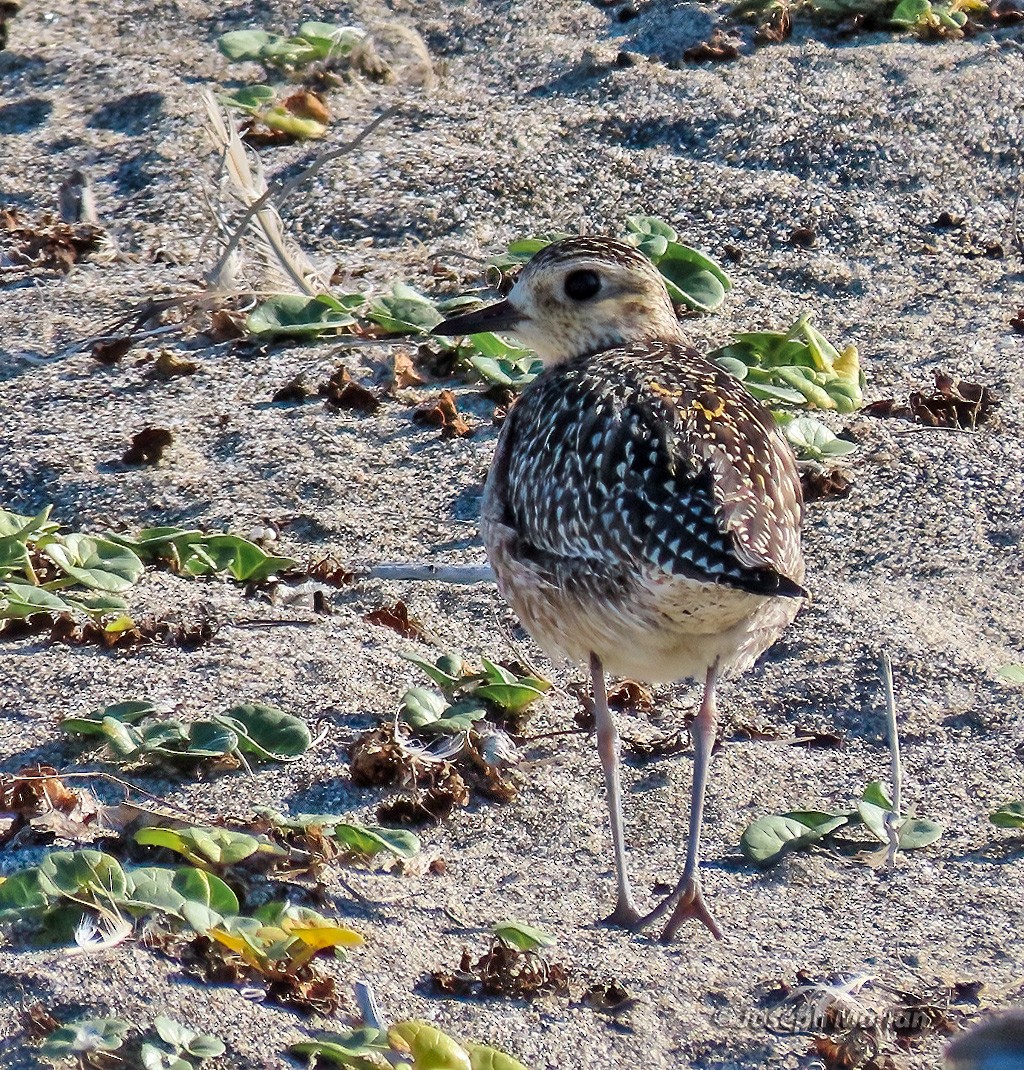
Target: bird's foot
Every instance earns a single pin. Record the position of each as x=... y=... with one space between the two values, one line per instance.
x=624 y=916
x=689 y=903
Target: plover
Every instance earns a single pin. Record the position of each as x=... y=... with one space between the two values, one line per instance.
x=642 y=513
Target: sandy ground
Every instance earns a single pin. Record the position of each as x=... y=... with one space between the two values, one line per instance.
x=532 y=126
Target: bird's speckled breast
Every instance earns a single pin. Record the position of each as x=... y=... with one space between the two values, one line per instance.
x=641 y=498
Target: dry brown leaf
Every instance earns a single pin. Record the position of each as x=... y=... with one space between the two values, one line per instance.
x=396 y=618
x=342 y=390
x=403 y=372
x=442 y=412
x=148 y=445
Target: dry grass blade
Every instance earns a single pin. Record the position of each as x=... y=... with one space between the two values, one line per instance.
x=280 y=256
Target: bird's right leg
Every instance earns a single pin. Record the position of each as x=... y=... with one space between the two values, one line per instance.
x=625 y=912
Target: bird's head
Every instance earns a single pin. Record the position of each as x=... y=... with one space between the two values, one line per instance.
x=579 y=296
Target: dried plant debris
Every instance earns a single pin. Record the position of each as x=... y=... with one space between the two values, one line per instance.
x=862 y=1024
x=169 y=365
x=35 y=800
x=513 y=966
x=952 y=403
x=718 y=48
x=448 y=740
x=442 y=411
x=342 y=391
x=47 y=244
x=819 y=482
x=396 y=618
x=927 y=19
x=148 y=446
x=295 y=391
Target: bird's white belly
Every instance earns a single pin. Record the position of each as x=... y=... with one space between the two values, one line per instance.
x=664 y=628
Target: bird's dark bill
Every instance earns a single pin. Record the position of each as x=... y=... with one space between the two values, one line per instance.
x=503 y=316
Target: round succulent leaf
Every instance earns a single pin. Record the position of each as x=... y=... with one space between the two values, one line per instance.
x=522 y=936
x=21 y=893
x=296 y=126
x=483 y=1058
x=267 y=731
x=241 y=45
x=1011 y=674
x=370 y=839
x=86 y=874
x=768 y=838
x=152 y=888
x=293 y=315
x=206 y=889
x=1008 y=816
x=13 y=555
x=343 y=1048
x=446 y=676
x=917 y=832
x=429 y=1047
x=84 y=1037
x=249 y=98
x=244 y=560
x=421 y=707
x=690 y=285
x=96 y=563
x=203 y=845
x=404 y=311
x=210 y=739
x=124 y=740
x=812 y=439
x=18 y=600
x=512 y=697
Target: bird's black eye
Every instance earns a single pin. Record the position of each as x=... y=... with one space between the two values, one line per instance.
x=582 y=285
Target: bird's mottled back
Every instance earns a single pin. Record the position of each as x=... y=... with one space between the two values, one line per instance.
x=650 y=457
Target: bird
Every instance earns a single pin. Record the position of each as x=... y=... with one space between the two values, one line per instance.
x=642 y=513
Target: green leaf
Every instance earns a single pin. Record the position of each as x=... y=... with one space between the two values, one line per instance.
x=404 y=311
x=89 y=875
x=422 y=707
x=27 y=528
x=18 y=600
x=249 y=98
x=767 y=839
x=96 y=563
x=1008 y=816
x=371 y=839
x=210 y=739
x=337 y=40
x=127 y=712
x=346 y=1049
x=1011 y=674
x=291 y=316
x=22 y=893
x=512 y=697
x=182 y=1038
x=692 y=278
x=241 y=45
x=205 y=845
x=910 y=12
x=912 y=832
x=244 y=560
x=814 y=441
x=447 y=672
x=124 y=740
x=522 y=936
x=429 y=1047
x=267 y=731
x=13 y=556
x=484 y=1058
x=84 y=1038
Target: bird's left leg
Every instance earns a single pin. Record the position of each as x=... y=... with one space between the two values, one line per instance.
x=686 y=900
x=625 y=912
